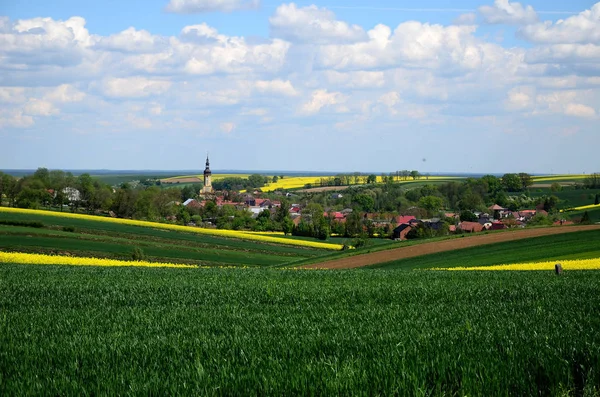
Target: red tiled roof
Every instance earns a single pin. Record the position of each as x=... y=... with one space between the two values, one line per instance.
x=471 y=226
x=404 y=219
x=496 y=207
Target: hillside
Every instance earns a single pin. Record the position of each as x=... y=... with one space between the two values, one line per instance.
x=444 y=246
x=69 y=234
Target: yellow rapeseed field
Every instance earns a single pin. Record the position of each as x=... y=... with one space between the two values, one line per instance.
x=187 y=229
x=41 y=259
x=549 y=178
x=577 y=264
x=293 y=182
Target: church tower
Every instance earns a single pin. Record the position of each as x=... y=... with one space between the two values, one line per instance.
x=207 y=178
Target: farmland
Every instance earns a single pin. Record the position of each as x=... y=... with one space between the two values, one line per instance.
x=576 y=245
x=406 y=255
x=98 y=237
x=257 y=332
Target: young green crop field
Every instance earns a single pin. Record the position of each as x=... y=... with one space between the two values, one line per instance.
x=568 y=197
x=112 y=331
x=117 y=241
x=578 y=245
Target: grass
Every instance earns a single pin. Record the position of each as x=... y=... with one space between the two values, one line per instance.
x=114 y=331
x=116 y=241
x=577 y=245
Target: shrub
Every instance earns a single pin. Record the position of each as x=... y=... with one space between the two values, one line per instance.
x=68 y=229
x=23 y=223
x=137 y=254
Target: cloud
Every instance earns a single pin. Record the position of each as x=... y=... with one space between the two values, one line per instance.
x=579 y=110
x=207 y=52
x=131 y=40
x=38 y=107
x=579 y=29
x=466 y=19
x=357 y=79
x=12 y=94
x=389 y=99
x=415 y=45
x=134 y=87
x=312 y=25
x=520 y=98
x=227 y=128
x=505 y=12
x=321 y=99
x=279 y=87
x=564 y=54
x=15 y=118
x=44 y=41
x=65 y=93
x=201 y=6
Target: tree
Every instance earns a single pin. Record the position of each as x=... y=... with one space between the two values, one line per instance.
x=585 y=219
x=372 y=178
x=256 y=180
x=414 y=174
x=540 y=220
x=287 y=225
x=493 y=184
x=431 y=204
x=468 y=216
x=555 y=187
x=597 y=201
x=275 y=179
x=526 y=180
x=365 y=201
x=550 y=203
x=592 y=181
x=512 y=182
x=189 y=191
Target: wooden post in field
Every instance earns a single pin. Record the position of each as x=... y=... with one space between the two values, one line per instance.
x=558 y=269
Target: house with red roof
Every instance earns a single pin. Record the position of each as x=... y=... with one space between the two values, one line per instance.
x=470 y=227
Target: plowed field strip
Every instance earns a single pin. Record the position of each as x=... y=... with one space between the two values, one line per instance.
x=441 y=246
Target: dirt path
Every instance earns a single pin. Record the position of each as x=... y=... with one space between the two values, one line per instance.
x=446 y=245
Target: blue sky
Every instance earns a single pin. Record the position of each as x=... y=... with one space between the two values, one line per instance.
x=483 y=86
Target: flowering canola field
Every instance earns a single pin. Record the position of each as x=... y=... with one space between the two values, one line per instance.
x=41 y=259
x=578 y=264
x=550 y=178
x=583 y=207
x=213 y=232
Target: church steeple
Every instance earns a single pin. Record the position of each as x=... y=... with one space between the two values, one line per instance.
x=207 y=169
x=207 y=189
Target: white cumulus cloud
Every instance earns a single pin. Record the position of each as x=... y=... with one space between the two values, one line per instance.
x=312 y=25
x=39 y=107
x=583 y=28
x=131 y=40
x=279 y=87
x=321 y=99
x=134 y=87
x=505 y=12
x=579 y=110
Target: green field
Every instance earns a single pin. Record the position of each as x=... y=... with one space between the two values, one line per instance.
x=568 y=197
x=577 y=245
x=70 y=330
x=117 y=241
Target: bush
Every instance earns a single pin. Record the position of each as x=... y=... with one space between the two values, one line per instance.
x=23 y=223
x=138 y=254
x=68 y=229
